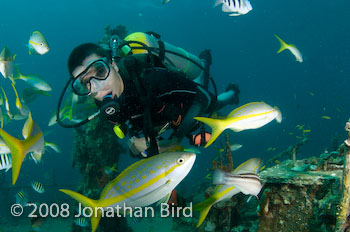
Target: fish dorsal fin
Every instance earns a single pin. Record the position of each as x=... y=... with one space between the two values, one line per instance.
x=240 y=110
x=226 y=8
x=218 y=2
x=251 y=165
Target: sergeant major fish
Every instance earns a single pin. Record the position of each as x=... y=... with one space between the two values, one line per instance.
x=249 y=116
x=236 y=7
x=142 y=183
x=81 y=221
x=21 y=198
x=38 y=187
x=5 y=161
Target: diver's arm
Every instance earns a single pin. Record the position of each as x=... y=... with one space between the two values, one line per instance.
x=187 y=124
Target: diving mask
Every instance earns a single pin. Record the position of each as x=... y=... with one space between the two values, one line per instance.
x=92 y=79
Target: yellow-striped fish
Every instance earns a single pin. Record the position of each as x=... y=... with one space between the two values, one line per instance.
x=37 y=44
x=249 y=116
x=295 y=51
x=142 y=183
x=225 y=192
x=6 y=63
x=18 y=101
x=326 y=117
x=38 y=187
x=7 y=105
x=33 y=80
x=33 y=142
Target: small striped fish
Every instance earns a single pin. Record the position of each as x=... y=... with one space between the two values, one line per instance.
x=5 y=162
x=21 y=198
x=82 y=222
x=38 y=187
x=142 y=183
x=236 y=7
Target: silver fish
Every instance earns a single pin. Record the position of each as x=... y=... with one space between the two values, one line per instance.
x=247 y=183
x=6 y=63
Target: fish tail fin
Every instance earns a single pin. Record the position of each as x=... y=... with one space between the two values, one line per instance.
x=18 y=74
x=203 y=208
x=279 y=115
x=216 y=125
x=284 y=45
x=19 y=149
x=219 y=177
x=87 y=202
x=53 y=146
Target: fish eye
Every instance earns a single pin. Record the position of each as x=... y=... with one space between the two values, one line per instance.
x=41 y=44
x=180 y=160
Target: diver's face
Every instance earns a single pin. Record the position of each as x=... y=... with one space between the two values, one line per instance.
x=99 y=77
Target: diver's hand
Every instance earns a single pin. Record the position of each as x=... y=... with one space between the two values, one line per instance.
x=137 y=145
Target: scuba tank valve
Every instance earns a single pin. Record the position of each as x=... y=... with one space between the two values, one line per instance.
x=114 y=42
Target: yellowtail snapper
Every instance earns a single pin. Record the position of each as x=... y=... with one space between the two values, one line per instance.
x=294 y=50
x=141 y=184
x=34 y=81
x=249 y=116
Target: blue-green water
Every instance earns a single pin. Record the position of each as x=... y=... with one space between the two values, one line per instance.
x=243 y=49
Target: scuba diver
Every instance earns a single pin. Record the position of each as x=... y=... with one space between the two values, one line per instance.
x=145 y=86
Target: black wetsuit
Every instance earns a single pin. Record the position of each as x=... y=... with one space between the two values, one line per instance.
x=173 y=99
